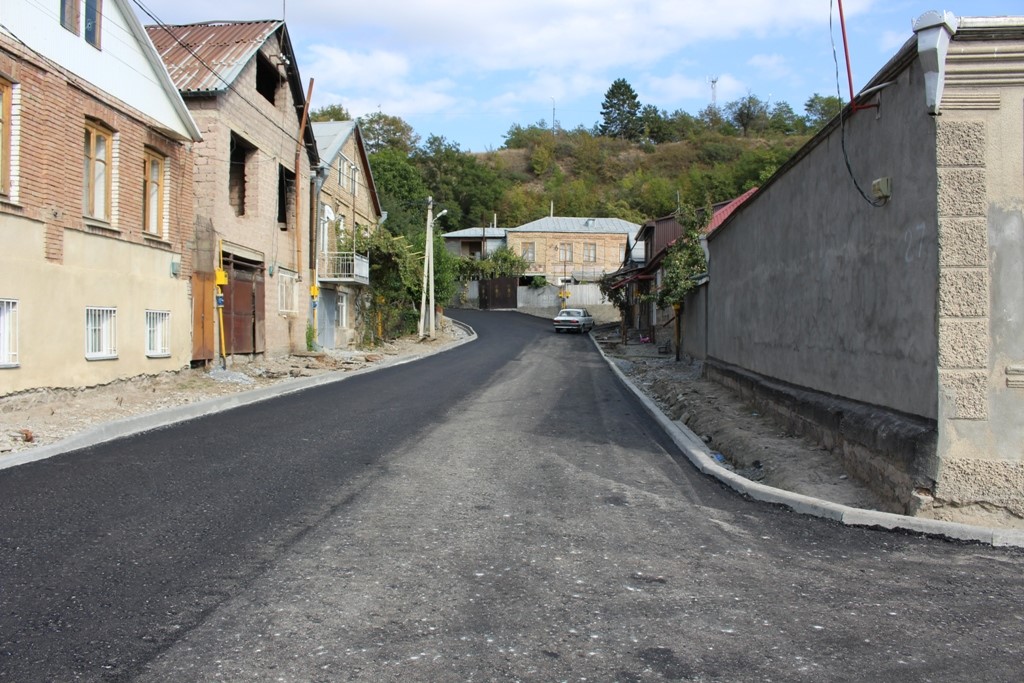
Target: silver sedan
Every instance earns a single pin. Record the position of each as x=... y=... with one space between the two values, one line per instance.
x=574 y=319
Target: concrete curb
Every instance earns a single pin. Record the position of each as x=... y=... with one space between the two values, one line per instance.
x=700 y=456
x=137 y=424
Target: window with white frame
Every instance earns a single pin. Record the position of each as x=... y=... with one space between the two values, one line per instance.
x=8 y=333
x=529 y=251
x=158 y=334
x=343 y=309
x=100 y=333
x=287 y=291
x=6 y=133
x=153 y=190
x=565 y=251
x=97 y=172
x=590 y=252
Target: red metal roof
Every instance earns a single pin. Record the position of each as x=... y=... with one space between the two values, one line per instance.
x=224 y=47
x=721 y=214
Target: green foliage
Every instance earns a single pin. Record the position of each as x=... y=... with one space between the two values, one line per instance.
x=820 y=109
x=620 y=112
x=503 y=262
x=684 y=261
x=310 y=337
x=382 y=131
x=330 y=112
x=748 y=114
x=538 y=282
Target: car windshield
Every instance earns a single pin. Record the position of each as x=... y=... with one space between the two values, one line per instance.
x=569 y=313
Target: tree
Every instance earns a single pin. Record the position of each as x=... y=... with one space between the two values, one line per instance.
x=620 y=112
x=654 y=125
x=330 y=112
x=383 y=131
x=783 y=120
x=821 y=109
x=684 y=262
x=747 y=113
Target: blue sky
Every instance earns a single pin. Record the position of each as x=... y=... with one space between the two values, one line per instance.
x=469 y=70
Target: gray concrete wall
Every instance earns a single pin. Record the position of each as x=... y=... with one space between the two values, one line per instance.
x=695 y=312
x=811 y=285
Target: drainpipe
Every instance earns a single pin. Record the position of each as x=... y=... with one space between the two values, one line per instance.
x=298 y=175
x=934 y=30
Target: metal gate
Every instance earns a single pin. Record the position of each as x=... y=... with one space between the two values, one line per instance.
x=244 y=302
x=501 y=292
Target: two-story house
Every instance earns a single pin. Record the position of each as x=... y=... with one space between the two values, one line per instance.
x=96 y=206
x=348 y=206
x=241 y=83
x=572 y=249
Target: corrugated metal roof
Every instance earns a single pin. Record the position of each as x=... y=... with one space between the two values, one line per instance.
x=331 y=137
x=226 y=47
x=723 y=213
x=584 y=225
x=470 y=233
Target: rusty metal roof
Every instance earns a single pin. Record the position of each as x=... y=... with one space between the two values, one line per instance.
x=226 y=47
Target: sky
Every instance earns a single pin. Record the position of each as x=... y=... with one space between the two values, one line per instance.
x=469 y=70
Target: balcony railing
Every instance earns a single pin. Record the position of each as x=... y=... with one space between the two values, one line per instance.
x=343 y=266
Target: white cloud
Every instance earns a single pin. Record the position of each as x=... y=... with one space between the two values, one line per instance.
x=774 y=66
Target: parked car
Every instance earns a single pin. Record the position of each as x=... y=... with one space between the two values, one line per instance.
x=576 y=319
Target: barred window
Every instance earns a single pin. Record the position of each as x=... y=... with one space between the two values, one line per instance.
x=158 y=334
x=8 y=333
x=100 y=333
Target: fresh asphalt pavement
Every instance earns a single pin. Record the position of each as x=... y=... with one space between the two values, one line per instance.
x=503 y=511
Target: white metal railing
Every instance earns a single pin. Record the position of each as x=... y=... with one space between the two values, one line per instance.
x=343 y=266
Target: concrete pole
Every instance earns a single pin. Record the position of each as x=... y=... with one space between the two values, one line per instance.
x=430 y=260
x=426 y=262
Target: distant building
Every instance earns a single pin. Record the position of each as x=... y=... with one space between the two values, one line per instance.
x=572 y=249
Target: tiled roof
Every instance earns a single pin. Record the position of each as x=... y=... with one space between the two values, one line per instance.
x=226 y=47
x=585 y=225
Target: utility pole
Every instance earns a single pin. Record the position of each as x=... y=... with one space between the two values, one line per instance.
x=428 y=276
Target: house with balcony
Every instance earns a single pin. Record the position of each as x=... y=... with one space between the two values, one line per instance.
x=96 y=172
x=347 y=207
x=241 y=83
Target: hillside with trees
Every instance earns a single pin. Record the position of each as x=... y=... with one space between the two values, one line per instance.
x=636 y=163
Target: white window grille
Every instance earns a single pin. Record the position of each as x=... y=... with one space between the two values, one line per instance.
x=158 y=334
x=343 y=310
x=100 y=333
x=287 y=292
x=8 y=333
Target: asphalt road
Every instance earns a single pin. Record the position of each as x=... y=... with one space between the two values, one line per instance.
x=502 y=511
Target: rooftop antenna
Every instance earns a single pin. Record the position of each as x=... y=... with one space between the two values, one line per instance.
x=713 y=80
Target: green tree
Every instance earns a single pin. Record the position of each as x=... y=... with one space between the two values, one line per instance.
x=620 y=112
x=330 y=112
x=383 y=131
x=401 y=191
x=783 y=120
x=747 y=113
x=684 y=263
x=655 y=125
x=821 y=109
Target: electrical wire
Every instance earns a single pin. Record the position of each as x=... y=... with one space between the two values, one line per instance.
x=877 y=203
x=230 y=86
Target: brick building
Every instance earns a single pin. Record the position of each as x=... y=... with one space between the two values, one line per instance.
x=572 y=249
x=95 y=200
x=348 y=205
x=252 y=182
